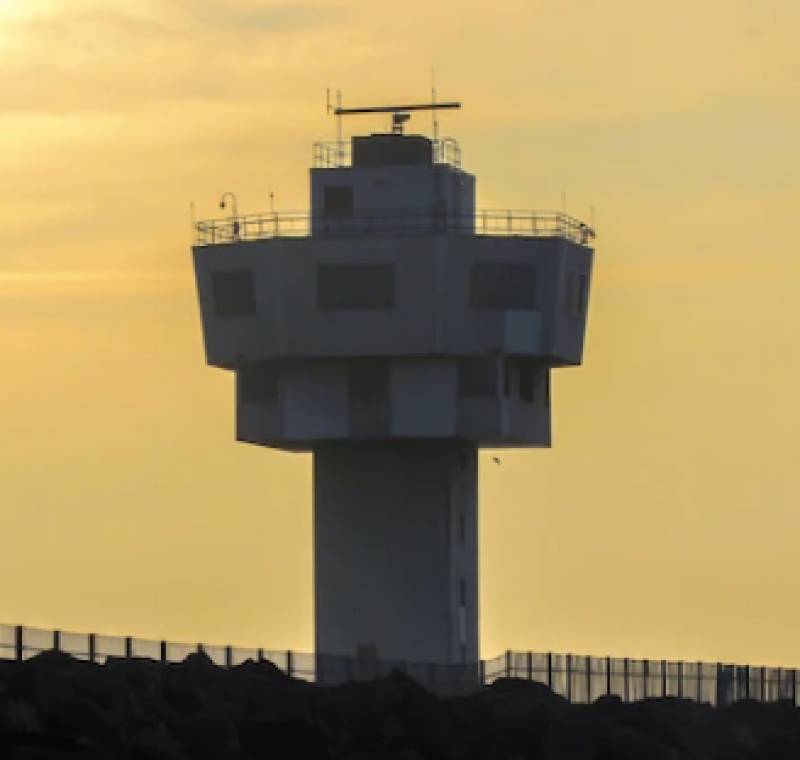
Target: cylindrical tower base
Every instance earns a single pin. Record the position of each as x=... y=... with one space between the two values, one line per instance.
x=396 y=551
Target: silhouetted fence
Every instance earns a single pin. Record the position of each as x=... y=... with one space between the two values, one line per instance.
x=576 y=677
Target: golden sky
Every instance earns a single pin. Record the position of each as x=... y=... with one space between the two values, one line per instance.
x=665 y=520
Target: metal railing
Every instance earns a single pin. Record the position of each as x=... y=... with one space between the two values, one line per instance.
x=578 y=678
x=534 y=224
x=339 y=154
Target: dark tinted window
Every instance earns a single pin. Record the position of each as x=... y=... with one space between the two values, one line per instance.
x=477 y=378
x=355 y=286
x=578 y=286
x=258 y=382
x=368 y=390
x=338 y=201
x=367 y=652
x=369 y=380
x=527 y=381
x=503 y=286
x=234 y=293
x=508 y=377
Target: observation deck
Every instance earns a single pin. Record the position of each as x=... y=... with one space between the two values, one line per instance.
x=269 y=225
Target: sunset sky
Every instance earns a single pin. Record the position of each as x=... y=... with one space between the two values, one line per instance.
x=665 y=520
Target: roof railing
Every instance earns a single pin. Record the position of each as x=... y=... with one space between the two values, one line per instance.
x=265 y=226
x=339 y=154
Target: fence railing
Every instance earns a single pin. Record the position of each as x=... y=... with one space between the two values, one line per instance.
x=578 y=678
x=338 y=153
x=537 y=224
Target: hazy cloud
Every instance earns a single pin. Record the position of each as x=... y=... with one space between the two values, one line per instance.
x=84 y=59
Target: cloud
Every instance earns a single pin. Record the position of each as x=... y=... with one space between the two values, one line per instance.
x=84 y=59
x=254 y=18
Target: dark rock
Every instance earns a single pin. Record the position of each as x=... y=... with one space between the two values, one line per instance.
x=53 y=706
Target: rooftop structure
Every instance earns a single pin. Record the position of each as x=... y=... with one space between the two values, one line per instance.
x=392 y=331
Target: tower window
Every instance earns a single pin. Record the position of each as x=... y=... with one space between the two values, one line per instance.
x=368 y=392
x=367 y=651
x=577 y=292
x=338 y=201
x=527 y=382
x=355 y=286
x=508 y=377
x=369 y=380
x=502 y=286
x=234 y=293
x=477 y=377
x=258 y=383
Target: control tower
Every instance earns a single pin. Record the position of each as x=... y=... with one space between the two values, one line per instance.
x=392 y=332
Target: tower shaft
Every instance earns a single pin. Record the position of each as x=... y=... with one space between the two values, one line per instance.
x=395 y=548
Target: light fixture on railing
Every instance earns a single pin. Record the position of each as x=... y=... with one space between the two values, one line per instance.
x=234 y=213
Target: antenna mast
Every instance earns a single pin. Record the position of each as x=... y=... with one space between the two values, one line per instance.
x=433 y=112
x=338 y=112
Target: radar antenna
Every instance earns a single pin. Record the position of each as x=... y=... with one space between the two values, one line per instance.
x=400 y=113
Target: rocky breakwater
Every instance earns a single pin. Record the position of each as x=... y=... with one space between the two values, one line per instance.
x=54 y=706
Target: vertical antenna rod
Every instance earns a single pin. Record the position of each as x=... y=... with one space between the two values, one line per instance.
x=338 y=112
x=433 y=112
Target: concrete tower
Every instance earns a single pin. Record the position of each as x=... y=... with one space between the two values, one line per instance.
x=392 y=332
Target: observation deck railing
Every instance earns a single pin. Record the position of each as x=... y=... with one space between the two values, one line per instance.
x=339 y=155
x=578 y=678
x=536 y=224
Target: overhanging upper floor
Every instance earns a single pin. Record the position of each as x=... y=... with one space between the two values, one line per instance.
x=393 y=295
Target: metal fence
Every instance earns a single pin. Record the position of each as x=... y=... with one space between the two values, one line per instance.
x=265 y=226
x=338 y=154
x=578 y=678
x=583 y=679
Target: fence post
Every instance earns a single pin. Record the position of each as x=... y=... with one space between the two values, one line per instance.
x=18 y=648
x=92 y=647
x=763 y=683
x=482 y=673
x=608 y=676
x=289 y=663
x=508 y=663
x=588 y=679
x=680 y=680
x=794 y=688
x=530 y=666
x=57 y=640
x=646 y=678
x=663 y=678
x=550 y=670
x=699 y=681
x=747 y=682
x=163 y=651
x=569 y=678
x=260 y=655
x=129 y=647
x=229 y=656
x=626 y=676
